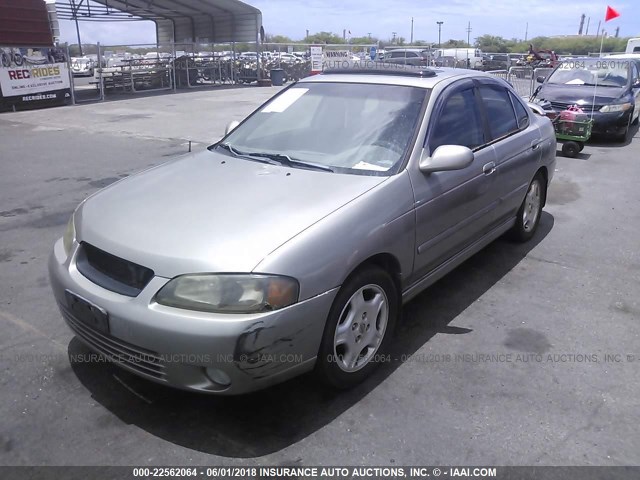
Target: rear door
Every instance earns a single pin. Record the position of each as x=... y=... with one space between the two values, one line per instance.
x=453 y=208
x=516 y=143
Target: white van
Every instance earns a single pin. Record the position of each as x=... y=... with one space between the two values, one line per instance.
x=464 y=57
x=633 y=46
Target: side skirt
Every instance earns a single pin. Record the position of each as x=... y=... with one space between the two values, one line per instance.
x=437 y=273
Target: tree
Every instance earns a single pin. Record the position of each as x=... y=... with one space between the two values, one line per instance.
x=363 y=40
x=268 y=38
x=324 y=38
x=492 y=43
x=575 y=45
x=454 y=44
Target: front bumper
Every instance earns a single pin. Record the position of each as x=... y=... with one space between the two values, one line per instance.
x=610 y=123
x=176 y=347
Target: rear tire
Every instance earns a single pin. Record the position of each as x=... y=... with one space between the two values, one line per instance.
x=359 y=328
x=529 y=213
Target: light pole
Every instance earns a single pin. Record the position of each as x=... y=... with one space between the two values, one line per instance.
x=411 y=41
x=439 y=32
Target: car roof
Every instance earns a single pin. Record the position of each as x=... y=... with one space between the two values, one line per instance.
x=381 y=76
x=634 y=56
x=407 y=50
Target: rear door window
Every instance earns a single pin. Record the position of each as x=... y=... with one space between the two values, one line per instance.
x=500 y=113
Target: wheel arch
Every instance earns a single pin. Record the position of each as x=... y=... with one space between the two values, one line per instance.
x=387 y=262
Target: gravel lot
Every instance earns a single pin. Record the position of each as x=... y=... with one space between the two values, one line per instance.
x=550 y=329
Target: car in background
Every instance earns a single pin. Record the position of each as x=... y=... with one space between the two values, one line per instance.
x=497 y=62
x=286 y=58
x=82 y=66
x=220 y=272
x=248 y=56
x=607 y=89
x=407 y=56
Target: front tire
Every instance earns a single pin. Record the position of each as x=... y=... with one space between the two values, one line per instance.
x=530 y=211
x=359 y=328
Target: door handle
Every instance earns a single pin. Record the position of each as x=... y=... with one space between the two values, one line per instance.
x=535 y=145
x=489 y=168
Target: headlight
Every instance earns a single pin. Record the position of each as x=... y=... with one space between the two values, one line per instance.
x=69 y=236
x=229 y=293
x=620 y=107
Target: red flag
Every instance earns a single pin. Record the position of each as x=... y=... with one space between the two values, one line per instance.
x=611 y=14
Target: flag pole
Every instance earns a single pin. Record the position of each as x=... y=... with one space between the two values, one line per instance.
x=595 y=85
x=610 y=14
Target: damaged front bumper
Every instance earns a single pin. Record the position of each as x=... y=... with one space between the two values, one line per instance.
x=213 y=353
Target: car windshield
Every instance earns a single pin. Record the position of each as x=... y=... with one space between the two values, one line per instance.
x=602 y=72
x=347 y=127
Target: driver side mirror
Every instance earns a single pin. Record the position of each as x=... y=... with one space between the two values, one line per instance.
x=540 y=78
x=446 y=157
x=636 y=84
x=231 y=126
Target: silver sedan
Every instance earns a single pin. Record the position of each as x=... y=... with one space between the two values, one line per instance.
x=291 y=244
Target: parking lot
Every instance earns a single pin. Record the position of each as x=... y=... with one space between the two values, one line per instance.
x=527 y=354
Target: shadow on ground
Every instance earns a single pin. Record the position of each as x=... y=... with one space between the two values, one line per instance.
x=268 y=421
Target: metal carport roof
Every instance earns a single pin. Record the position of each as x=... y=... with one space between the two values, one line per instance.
x=189 y=21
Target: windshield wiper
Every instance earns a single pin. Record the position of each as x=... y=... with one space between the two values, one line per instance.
x=274 y=159
x=599 y=85
x=289 y=162
x=249 y=156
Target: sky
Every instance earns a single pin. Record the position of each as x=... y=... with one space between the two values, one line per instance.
x=506 y=18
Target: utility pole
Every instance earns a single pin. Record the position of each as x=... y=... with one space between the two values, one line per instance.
x=307 y=33
x=75 y=9
x=468 y=43
x=393 y=40
x=526 y=32
x=439 y=32
x=411 y=41
x=598 y=31
x=587 y=30
x=369 y=35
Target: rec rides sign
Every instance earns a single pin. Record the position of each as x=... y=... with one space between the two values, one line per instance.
x=30 y=78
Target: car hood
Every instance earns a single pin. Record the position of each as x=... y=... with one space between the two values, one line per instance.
x=581 y=95
x=210 y=212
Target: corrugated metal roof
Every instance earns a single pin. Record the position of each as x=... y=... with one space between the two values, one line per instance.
x=189 y=21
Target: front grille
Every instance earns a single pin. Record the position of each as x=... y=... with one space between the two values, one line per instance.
x=559 y=106
x=136 y=358
x=111 y=272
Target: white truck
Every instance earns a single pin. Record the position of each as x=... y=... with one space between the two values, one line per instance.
x=463 y=57
x=633 y=46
